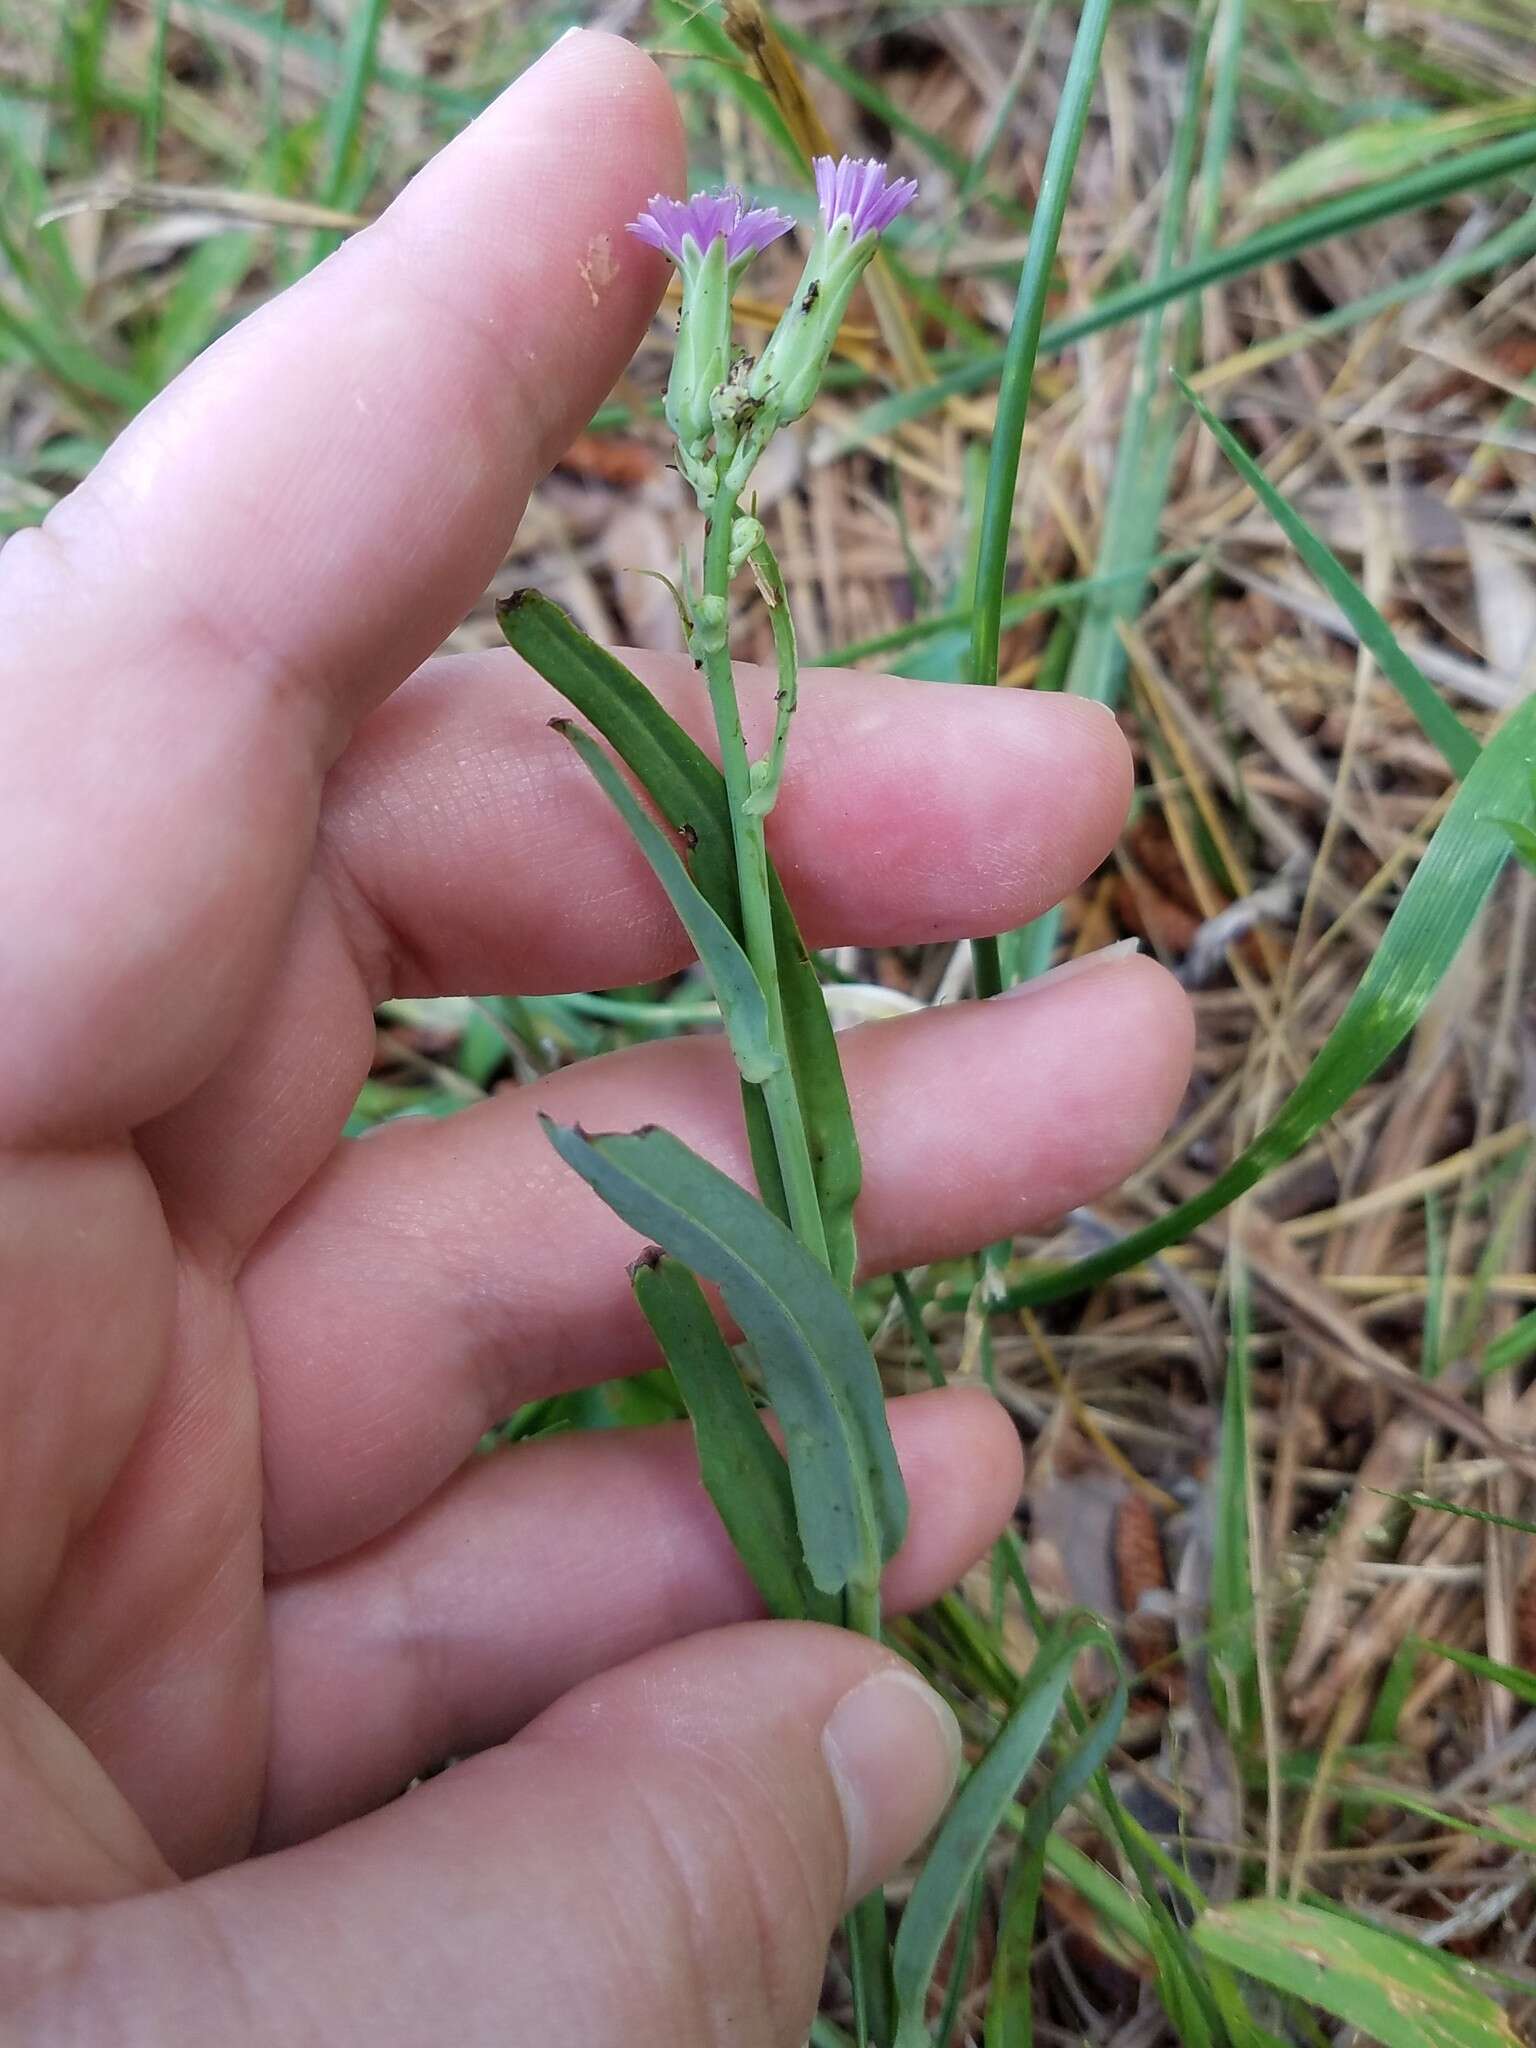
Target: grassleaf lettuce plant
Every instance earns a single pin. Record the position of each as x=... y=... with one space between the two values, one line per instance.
x=816 y=1521
x=784 y=1263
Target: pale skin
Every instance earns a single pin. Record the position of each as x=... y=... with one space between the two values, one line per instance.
x=250 y=1584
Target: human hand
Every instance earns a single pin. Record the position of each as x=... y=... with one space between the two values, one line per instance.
x=250 y=1581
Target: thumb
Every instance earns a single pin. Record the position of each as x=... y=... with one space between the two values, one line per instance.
x=660 y=1858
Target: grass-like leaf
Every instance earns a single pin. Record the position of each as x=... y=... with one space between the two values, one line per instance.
x=742 y=1468
x=1438 y=908
x=1513 y=1679
x=1451 y=1507
x=1517 y=1344
x=944 y=1882
x=1439 y=721
x=1381 y=149
x=1009 y=2013
x=689 y=791
x=1035 y=279
x=1276 y=244
x=850 y=1502
x=1397 y=1992
x=743 y=1006
x=1232 y=1618
x=1024 y=336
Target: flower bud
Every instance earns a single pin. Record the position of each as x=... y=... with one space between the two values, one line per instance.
x=858 y=200
x=711 y=237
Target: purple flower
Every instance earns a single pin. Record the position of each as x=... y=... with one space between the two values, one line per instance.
x=861 y=191
x=668 y=224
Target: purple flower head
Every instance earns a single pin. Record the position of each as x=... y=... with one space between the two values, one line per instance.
x=668 y=224
x=861 y=191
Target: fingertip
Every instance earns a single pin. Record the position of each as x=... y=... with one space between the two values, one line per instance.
x=1152 y=1003
x=964 y=1467
x=1129 y=1029
x=618 y=71
x=1024 y=792
x=1068 y=1087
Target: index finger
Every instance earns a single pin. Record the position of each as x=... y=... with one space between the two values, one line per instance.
x=272 y=546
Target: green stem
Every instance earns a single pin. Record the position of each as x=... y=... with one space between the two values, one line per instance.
x=868 y=1944
x=751 y=849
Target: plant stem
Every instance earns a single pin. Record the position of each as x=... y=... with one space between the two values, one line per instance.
x=751 y=849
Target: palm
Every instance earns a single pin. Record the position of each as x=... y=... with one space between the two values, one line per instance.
x=244 y=1557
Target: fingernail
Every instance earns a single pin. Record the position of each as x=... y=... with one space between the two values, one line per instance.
x=892 y=1747
x=573 y=30
x=1120 y=950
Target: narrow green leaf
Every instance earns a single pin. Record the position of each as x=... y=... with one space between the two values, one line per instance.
x=1521 y=1683
x=743 y=1007
x=1275 y=244
x=1519 y=1823
x=1439 y=906
x=1438 y=720
x=1149 y=429
x=963 y=1839
x=1401 y=1994
x=1517 y=1344
x=1522 y=838
x=1035 y=280
x=1024 y=336
x=345 y=118
x=199 y=300
x=688 y=790
x=960 y=1961
x=1450 y=1507
x=1379 y=149
x=1183 y=1979
x=742 y=1468
x=1231 y=1575
x=1009 y=2015
x=690 y=27
x=850 y=1501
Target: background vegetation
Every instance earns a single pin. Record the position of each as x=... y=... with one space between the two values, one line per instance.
x=1284 y=1445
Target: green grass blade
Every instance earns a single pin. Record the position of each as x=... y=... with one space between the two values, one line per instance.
x=960 y=1961
x=1024 y=336
x=1523 y=839
x=743 y=1006
x=743 y=1470
x=359 y=56
x=1023 y=604
x=197 y=303
x=1232 y=1615
x=1399 y=1993
x=1521 y=1683
x=1276 y=244
x=1009 y=2013
x=1138 y=489
x=1517 y=1344
x=1450 y=1507
x=1435 y=716
x=1381 y=149
x=1438 y=907
x=688 y=27
x=1183 y=1980
x=850 y=1501
x=1511 y=244
x=865 y=92
x=962 y=1841
x=154 y=103
x=1035 y=279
